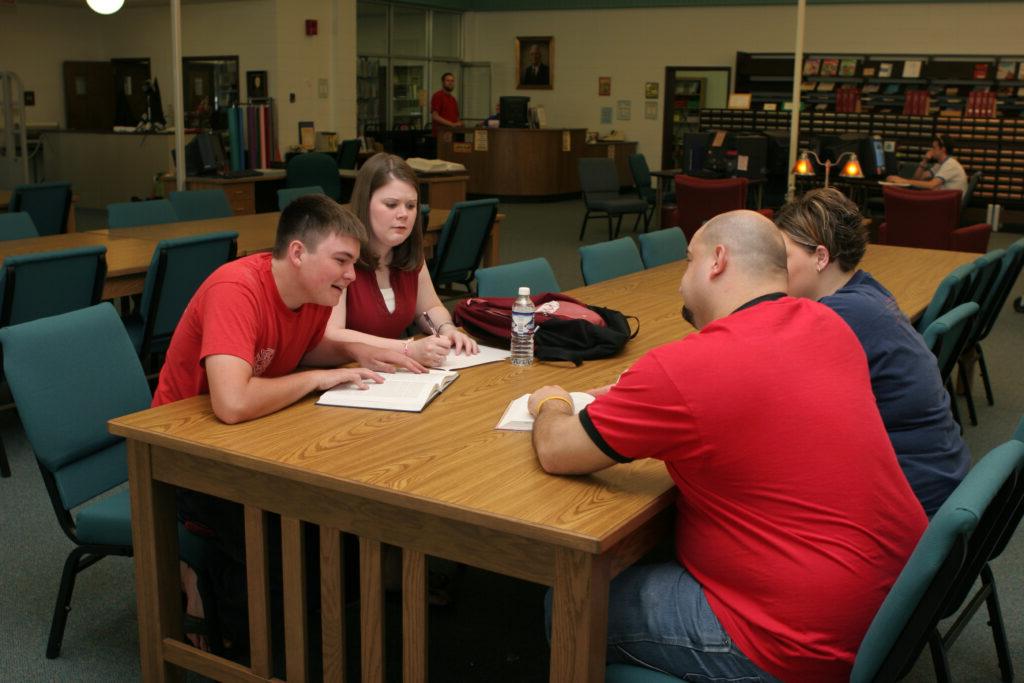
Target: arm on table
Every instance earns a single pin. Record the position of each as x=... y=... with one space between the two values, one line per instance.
x=561 y=444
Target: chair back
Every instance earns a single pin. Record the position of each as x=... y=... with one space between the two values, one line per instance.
x=197 y=205
x=17 y=226
x=642 y=177
x=287 y=195
x=314 y=168
x=460 y=247
x=348 y=153
x=910 y=612
x=599 y=179
x=69 y=374
x=1009 y=270
x=133 y=214
x=506 y=279
x=981 y=287
x=700 y=199
x=662 y=246
x=605 y=260
x=49 y=283
x=951 y=292
x=972 y=185
x=178 y=267
x=48 y=203
x=947 y=336
x=920 y=219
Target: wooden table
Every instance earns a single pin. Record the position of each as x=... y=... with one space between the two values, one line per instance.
x=442 y=482
x=130 y=250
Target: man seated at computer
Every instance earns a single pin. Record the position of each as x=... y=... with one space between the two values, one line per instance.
x=794 y=518
x=938 y=170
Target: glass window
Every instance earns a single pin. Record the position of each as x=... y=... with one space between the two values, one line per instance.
x=446 y=34
x=408 y=32
x=372 y=28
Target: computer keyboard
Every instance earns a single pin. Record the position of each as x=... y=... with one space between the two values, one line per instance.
x=244 y=173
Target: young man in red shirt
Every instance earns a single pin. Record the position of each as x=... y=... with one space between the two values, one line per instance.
x=444 y=109
x=246 y=330
x=794 y=518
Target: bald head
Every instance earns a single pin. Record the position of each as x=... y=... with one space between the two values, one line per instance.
x=753 y=242
x=734 y=258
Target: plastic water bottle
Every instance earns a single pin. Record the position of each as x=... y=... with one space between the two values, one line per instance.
x=523 y=327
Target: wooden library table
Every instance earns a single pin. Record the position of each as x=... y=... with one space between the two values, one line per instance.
x=130 y=250
x=442 y=482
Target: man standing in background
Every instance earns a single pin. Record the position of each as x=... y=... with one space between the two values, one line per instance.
x=444 y=109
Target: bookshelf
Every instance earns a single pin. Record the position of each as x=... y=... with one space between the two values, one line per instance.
x=884 y=80
x=994 y=146
x=371 y=103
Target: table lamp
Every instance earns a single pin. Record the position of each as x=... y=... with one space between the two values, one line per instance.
x=851 y=169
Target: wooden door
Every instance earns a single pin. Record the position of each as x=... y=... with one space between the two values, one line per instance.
x=129 y=77
x=89 y=95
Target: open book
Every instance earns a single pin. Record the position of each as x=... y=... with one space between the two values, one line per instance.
x=488 y=354
x=402 y=390
x=421 y=165
x=517 y=416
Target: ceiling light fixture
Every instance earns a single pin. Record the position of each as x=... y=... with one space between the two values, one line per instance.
x=105 y=6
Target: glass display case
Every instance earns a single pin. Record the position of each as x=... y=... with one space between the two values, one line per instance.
x=371 y=96
x=409 y=94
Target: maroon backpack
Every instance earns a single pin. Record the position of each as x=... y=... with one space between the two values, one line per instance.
x=577 y=332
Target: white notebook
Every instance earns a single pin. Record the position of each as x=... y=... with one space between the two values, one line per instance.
x=517 y=416
x=401 y=390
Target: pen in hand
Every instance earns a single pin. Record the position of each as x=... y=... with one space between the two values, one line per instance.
x=430 y=325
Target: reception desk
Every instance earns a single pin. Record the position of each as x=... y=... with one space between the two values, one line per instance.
x=517 y=162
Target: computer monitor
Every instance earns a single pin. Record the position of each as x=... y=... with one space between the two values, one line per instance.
x=694 y=147
x=514 y=111
x=872 y=158
x=204 y=155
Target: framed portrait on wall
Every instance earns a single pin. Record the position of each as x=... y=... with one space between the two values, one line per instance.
x=535 y=62
x=256 y=85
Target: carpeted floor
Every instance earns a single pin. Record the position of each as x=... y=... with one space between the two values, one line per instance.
x=494 y=631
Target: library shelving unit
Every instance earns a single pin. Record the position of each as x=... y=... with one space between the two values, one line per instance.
x=994 y=146
x=371 y=100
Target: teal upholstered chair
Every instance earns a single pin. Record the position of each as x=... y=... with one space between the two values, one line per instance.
x=605 y=260
x=197 y=205
x=132 y=214
x=1009 y=269
x=287 y=195
x=17 y=226
x=48 y=203
x=984 y=279
x=80 y=460
x=946 y=337
x=314 y=168
x=460 y=246
x=178 y=267
x=38 y=285
x=626 y=673
x=644 y=187
x=959 y=539
x=599 y=180
x=348 y=154
x=951 y=292
x=506 y=279
x=662 y=246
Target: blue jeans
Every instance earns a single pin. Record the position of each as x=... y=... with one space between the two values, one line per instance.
x=659 y=618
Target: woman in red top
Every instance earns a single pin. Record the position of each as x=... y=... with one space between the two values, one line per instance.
x=392 y=288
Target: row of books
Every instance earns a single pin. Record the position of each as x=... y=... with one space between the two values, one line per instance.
x=1005 y=70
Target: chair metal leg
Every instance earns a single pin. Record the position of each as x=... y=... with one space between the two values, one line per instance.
x=63 y=606
x=939 y=659
x=5 y=467
x=618 y=226
x=995 y=620
x=967 y=394
x=984 y=376
x=583 y=229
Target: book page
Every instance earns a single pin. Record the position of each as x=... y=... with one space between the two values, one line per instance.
x=517 y=416
x=488 y=354
x=401 y=390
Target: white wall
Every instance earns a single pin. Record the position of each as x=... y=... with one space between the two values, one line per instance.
x=265 y=35
x=635 y=46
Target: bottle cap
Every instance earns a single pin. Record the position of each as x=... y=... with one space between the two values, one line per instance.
x=524 y=291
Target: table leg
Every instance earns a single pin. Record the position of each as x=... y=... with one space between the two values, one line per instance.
x=157 y=576
x=579 y=617
x=414 y=616
x=332 y=604
x=491 y=248
x=293 y=561
x=257 y=577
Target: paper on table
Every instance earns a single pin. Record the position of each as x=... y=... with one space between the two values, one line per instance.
x=488 y=354
x=401 y=390
x=517 y=416
x=893 y=184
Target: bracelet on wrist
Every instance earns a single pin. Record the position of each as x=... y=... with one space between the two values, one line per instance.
x=563 y=399
x=405 y=347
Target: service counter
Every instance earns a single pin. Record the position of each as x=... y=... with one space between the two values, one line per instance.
x=517 y=162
